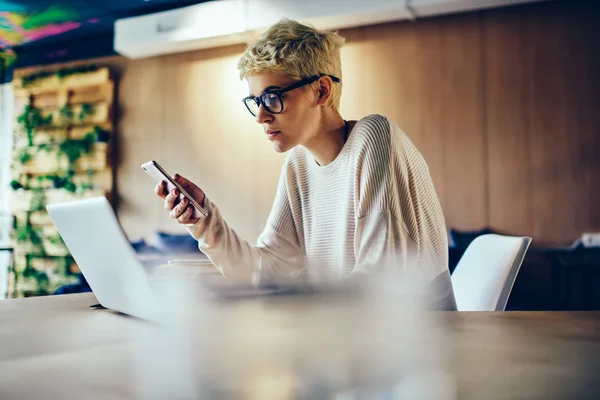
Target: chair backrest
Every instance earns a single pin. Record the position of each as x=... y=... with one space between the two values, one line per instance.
x=485 y=274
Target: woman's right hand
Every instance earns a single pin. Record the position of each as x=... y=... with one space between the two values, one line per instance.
x=181 y=211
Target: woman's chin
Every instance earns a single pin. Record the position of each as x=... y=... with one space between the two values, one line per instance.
x=280 y=146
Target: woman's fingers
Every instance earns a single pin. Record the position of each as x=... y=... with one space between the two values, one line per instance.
x=171 y=200
x=179 y=209
x=186 y=217
x=161 y=190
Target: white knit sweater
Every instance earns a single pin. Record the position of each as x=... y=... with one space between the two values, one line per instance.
x=373 y=207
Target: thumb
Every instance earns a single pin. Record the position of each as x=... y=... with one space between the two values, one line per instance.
x=178 y=178
x=183 y=182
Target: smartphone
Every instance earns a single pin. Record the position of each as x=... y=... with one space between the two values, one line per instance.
x=159 y=174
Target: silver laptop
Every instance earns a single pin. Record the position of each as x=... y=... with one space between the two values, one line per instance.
x=96 y=241
x=120 y=282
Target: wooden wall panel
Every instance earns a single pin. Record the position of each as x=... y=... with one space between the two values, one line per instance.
x=587 y=118
x=209 y=136
x=507 y=87
x=579 y=64
x=561 y=158
x=552 y=139
x=542 y=124
x=462 y=131
x=435 y=70
x=139 y=126
x=403 y=75
x=355 y=69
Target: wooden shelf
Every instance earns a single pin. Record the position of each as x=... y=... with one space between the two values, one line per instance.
x=51 y=135
x=100 y=179
x=20 y=200
x=45 y=162
x=100 y=115
x=52 y=96
x=53 y=84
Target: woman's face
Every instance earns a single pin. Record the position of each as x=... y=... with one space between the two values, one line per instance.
x=298 y=120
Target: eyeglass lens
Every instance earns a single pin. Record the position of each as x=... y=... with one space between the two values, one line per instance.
x=271 y=101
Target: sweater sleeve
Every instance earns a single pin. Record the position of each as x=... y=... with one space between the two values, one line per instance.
x=381 y=239
x=382 y=243
x=388 y=234
x=277 y=247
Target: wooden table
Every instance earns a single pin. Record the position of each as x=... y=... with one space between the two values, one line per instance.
x=57 y=347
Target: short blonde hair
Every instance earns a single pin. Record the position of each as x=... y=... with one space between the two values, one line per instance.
x=297 y=50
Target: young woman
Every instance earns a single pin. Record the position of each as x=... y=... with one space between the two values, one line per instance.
x=353 y=196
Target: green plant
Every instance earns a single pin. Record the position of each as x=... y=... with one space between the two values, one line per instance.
x=21 y=233
x=31 y=119
x=55 y=239
x=15 y=185
x=71 y=187
x=73 y=149
x=38 y=200
x=62 y=181
x=87 y=143
x=40 y=277
x=23 y=155
x=25 y=233
x=66 y=114
x=62 y=73
x=62 y=265
x=90 y=180
x=30 y=79
x=45 y=147
x=58 y=181
x=86 y=110
x=102 y=135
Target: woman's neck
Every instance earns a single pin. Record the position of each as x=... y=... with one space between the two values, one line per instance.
x=329 y=141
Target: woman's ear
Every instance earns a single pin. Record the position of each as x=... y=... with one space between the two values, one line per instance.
x=324 y=90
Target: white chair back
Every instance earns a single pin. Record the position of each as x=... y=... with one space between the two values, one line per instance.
x=485 y=274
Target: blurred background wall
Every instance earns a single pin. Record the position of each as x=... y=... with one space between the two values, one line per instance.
x=502 y=103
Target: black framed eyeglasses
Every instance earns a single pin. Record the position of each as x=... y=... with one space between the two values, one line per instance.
x=271 y=99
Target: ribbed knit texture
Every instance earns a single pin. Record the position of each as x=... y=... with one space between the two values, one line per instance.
x=374 y=207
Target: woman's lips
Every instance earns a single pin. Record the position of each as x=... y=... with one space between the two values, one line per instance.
x=272 y=134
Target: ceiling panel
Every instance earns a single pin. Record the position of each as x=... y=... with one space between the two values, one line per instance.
x=31 y=22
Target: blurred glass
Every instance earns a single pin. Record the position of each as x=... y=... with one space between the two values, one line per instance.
x=349 y=340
